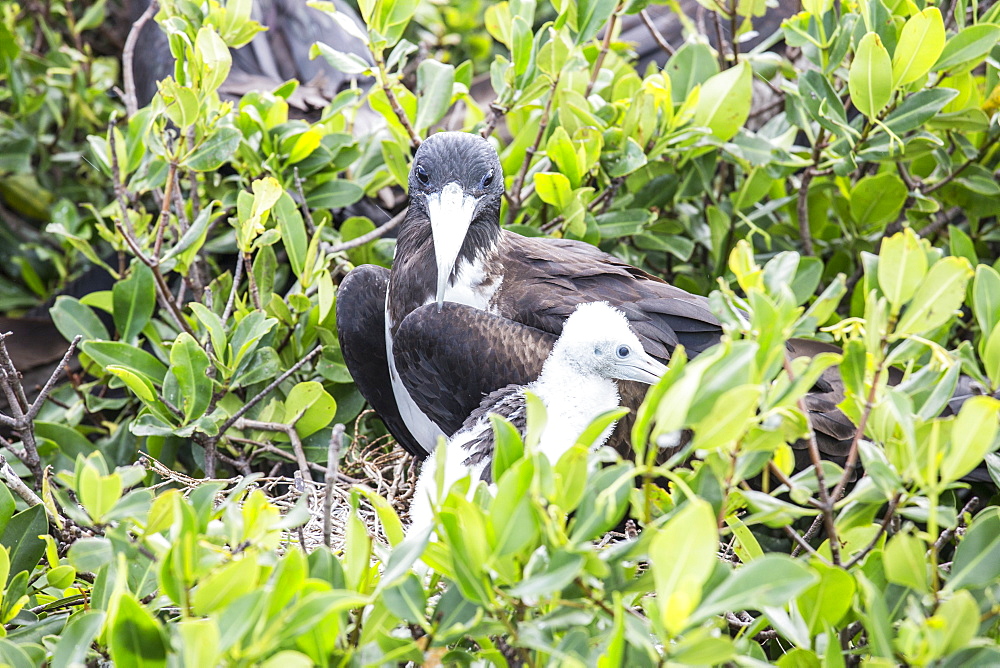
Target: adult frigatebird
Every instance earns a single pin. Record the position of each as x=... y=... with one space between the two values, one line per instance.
x=436 y=365
x=576 y=385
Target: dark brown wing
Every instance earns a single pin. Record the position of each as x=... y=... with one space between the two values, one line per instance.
x=507 y=402
x=545 y=279
x=450 y=360
x=361 y=330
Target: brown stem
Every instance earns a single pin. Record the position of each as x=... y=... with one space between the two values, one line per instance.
x=852 y=455
x=332 y=464
x=802 y=208
x=128 y=53
x=878 y=534
x=164 y=218
x=605 y=47
x=826 y=505
x=288 y=430
x=965 y=165
x=514 y=197
x=252 y=283
x=393 y=100
x=657 y=36
x=365 y=238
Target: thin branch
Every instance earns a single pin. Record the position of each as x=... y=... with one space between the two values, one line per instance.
x=306 y=213
x=889 y=512
x=515 y=196
x=47 y=388
x=16 y=485
x=237 y=276
x=332 y=464
x=365 y=238
x=605 y=47
x=965 y=165
x=393 y=101
x=826 y=505
x=657 y=36
x=131 y=104
x=263 y=393
x=946 y=535
x=852 y=455
x=802 y=208
x=288 y=430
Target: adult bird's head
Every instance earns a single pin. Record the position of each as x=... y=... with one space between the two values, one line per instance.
x=456 y=181
x=597 y=340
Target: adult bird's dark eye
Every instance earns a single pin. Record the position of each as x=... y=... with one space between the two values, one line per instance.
x=422 y=175
x=488 y=179
x=623 y=351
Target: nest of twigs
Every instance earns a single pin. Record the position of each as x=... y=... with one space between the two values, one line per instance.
x=377 y=464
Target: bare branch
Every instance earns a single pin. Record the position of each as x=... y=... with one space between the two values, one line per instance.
x=365 y=238
x=657 y=36
x=131 y=105
x=332 y=464
x=288 y=430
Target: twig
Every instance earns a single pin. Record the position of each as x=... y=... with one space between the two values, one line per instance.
x=237 y=276
x=946 y=535
x=605 y=47
x=124 y=227
x=131 y=104
x=393 y=101
x=802 y=208
x=263 y=393
x=737 y=624
x=16 y=485
x=288 y=430
x=961 y=168
x=878 y=534
x=168 y=196
x=852 y=455
x=810 y=532
x=826 y=504
x=365 y=238
x=514 y=197
x=657 y=36
x=306 y=213
x=332 y=464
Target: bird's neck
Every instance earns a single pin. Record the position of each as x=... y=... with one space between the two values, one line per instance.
x=474 y=279
x=572 y=401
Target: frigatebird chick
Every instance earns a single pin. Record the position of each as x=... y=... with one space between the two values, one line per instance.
x=577 y=383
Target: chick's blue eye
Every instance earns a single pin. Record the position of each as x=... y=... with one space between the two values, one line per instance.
x=623 y=351
x=422 y=175
x=488 y=179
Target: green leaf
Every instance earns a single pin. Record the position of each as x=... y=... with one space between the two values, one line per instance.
x=692 y=65
x=135 y=637
x=966 y=49
x=902 y=265
x=724 y=103
x=106 y=353
x=408 y=600
x=20 y=537
x=876 y=200
x=188 y=364
x=334 y=194
x=976 y=564
x=72 y=319
x=342 y=61
x=75 y=640
x=224 y=585
x=870 y=78
x=972 y=436
x=215 y=150
x=562 y=569
x=216 y=61
x=508 y=445
x=683 y=555
x=770 y=581
x=986 y=298
x=624 y=161
x=826 y=602
x=98 y=493
x=905 y=563
x=434 y=85
x=309 y=407
x=293 y=232
x=919 y=46
x=562 y=152
x=940 y=294
x=554 y=189
x=590 y=16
